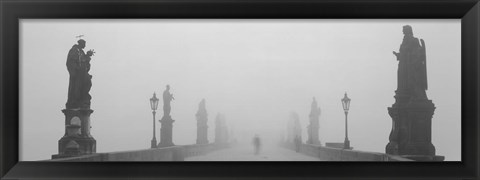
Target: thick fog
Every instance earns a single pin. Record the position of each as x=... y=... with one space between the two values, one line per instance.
x=255 y=72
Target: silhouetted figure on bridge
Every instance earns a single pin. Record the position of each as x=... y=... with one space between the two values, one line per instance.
x=257 y=144
x=298 y=143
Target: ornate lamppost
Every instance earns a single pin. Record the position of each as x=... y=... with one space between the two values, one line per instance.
x=154 y=106
x=346 y=106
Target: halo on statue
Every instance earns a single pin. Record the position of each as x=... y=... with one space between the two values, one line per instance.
x=79 y=36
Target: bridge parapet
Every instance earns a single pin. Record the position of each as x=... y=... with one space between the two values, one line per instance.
x=202 y=149
x=173 y=153
x=338 y=154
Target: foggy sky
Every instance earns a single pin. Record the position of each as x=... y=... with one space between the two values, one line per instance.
x=255 y=72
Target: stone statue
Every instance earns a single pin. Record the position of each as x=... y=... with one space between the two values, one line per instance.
x=167 y=98
x=202 y=108
x=78 y=65
x=412 y=112
x=412 y=69
x=314 y=108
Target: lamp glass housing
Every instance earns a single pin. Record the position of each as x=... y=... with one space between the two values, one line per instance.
x=346 y=103
x=154 y=102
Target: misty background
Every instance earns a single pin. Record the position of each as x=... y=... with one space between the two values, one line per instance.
x=255 y=72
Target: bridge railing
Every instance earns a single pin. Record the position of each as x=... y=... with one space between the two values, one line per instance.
x=338 y=154
x=202 y=149
x=174 y=153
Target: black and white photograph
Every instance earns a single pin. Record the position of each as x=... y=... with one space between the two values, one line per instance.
x=240 y=90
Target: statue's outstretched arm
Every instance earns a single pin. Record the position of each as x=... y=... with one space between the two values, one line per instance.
x=90 y=52
x=396 y=54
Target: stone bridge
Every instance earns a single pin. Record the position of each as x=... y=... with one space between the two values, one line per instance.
x=409 y=139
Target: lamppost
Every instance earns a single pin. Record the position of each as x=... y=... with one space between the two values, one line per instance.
x=346 y=106
x=154 y=106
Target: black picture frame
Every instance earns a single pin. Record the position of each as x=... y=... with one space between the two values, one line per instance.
x=11 y=11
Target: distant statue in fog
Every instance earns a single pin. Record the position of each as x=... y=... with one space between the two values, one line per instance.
x=80 y=82
x=202 y=108
x=314 y=106
x=167 y=98
x=257 y=144
x=313 y=127
x=412 y=66
x=202 y=127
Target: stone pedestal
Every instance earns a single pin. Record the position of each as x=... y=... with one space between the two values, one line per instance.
x=411 y=134
x=166 y=132
x=313 y=131
x=202 y=128
x=77 y=140
x=202 y=133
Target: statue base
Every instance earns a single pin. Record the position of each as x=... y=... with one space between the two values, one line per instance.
x=202 y=136
x=75 y=146
x=166 y=132
x=313 y=129
x=314 y=142
x=411 y=130
x=77 y=140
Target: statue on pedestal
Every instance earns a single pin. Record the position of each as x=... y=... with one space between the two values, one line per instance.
x=202 y=127
x=412 y=111
x=166 y=130
x=77 y=139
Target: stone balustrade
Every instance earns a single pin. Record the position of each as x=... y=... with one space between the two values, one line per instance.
x=338 y=154
x=173 y=153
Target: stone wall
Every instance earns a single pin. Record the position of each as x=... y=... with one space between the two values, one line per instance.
x=337 y=154
x=174 y=153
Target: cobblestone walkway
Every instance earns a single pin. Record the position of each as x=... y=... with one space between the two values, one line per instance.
x=245 y=152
